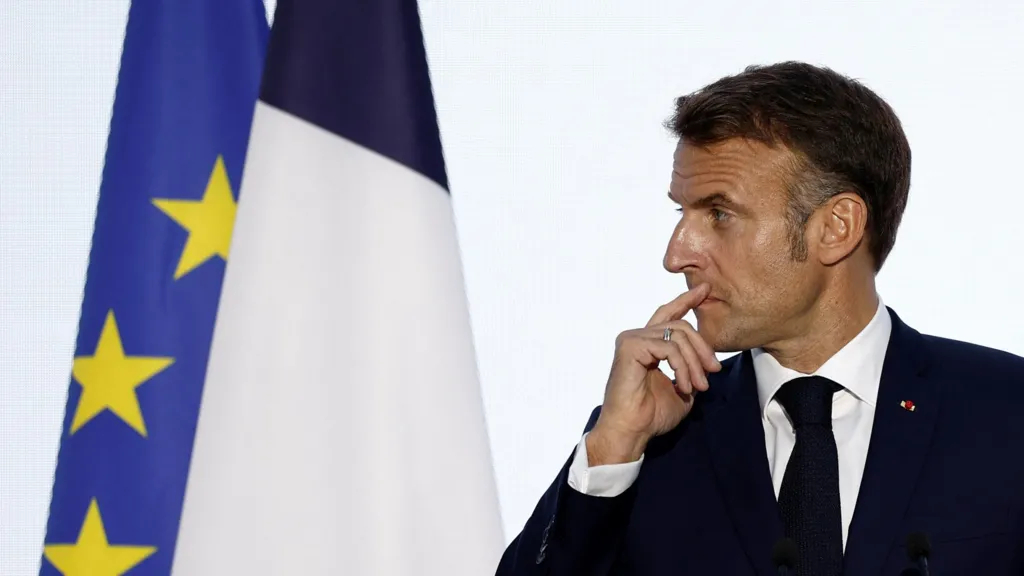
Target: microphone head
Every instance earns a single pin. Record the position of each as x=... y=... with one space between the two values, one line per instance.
x=784 y=553
x=918 y=546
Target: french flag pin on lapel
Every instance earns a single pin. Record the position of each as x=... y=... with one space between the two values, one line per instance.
x=908 y=405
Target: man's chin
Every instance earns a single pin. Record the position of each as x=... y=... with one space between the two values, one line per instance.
x=711 y=336
x=718 y=338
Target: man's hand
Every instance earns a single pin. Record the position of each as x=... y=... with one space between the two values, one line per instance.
x=640 y=402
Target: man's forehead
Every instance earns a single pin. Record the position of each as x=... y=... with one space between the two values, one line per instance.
x=732 y=158
x=743 y=171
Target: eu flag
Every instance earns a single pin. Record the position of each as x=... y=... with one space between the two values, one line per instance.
x=188 y=82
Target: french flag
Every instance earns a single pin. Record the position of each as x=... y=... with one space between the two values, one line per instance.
x=341 y=429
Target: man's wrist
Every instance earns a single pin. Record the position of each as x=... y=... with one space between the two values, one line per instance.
x=610 y=447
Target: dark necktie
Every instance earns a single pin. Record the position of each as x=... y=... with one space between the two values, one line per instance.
x=809 y=498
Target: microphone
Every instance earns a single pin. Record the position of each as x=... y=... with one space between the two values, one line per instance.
x=918 y=549
x=784 y=556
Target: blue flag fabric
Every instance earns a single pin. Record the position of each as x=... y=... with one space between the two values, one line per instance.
x=188 y=83
x=320 y=49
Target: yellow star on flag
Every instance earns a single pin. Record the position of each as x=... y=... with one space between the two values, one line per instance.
x=109 y=379
x=92 y=555
x=209 y=221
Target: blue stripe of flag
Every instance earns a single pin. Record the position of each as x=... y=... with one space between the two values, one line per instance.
x=359 y=70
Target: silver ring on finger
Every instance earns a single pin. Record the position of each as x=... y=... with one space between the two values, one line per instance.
x=667 y=335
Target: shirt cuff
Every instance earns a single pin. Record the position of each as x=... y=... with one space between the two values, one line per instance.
x=608 y=481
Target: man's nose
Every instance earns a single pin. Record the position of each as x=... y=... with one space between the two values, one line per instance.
x=687 y=249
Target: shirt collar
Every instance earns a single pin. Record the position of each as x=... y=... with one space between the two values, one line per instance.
x=857 y=366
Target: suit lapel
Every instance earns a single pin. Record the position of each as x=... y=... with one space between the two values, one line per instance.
x=899 y=443
x=736 y=442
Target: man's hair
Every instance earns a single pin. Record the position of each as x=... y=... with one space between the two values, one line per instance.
x=844 y=138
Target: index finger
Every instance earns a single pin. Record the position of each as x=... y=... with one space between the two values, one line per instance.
x=682 y=304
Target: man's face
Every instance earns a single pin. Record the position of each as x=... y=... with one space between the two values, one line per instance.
x=734 y=234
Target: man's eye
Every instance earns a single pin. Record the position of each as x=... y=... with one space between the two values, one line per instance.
x=680 y=209
x=718 y=215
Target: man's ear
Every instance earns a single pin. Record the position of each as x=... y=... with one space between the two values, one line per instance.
x=841 y=227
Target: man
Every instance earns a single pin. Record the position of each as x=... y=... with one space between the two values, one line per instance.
x=838 y=426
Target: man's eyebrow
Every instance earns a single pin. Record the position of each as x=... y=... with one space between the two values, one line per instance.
x=710 y=200
x=716 y=198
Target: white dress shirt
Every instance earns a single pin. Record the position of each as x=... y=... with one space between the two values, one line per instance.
x=857 y=367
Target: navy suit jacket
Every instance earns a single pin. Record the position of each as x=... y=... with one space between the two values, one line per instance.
x=704 y=504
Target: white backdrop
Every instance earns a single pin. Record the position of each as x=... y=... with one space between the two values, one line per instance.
x=550 y=115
